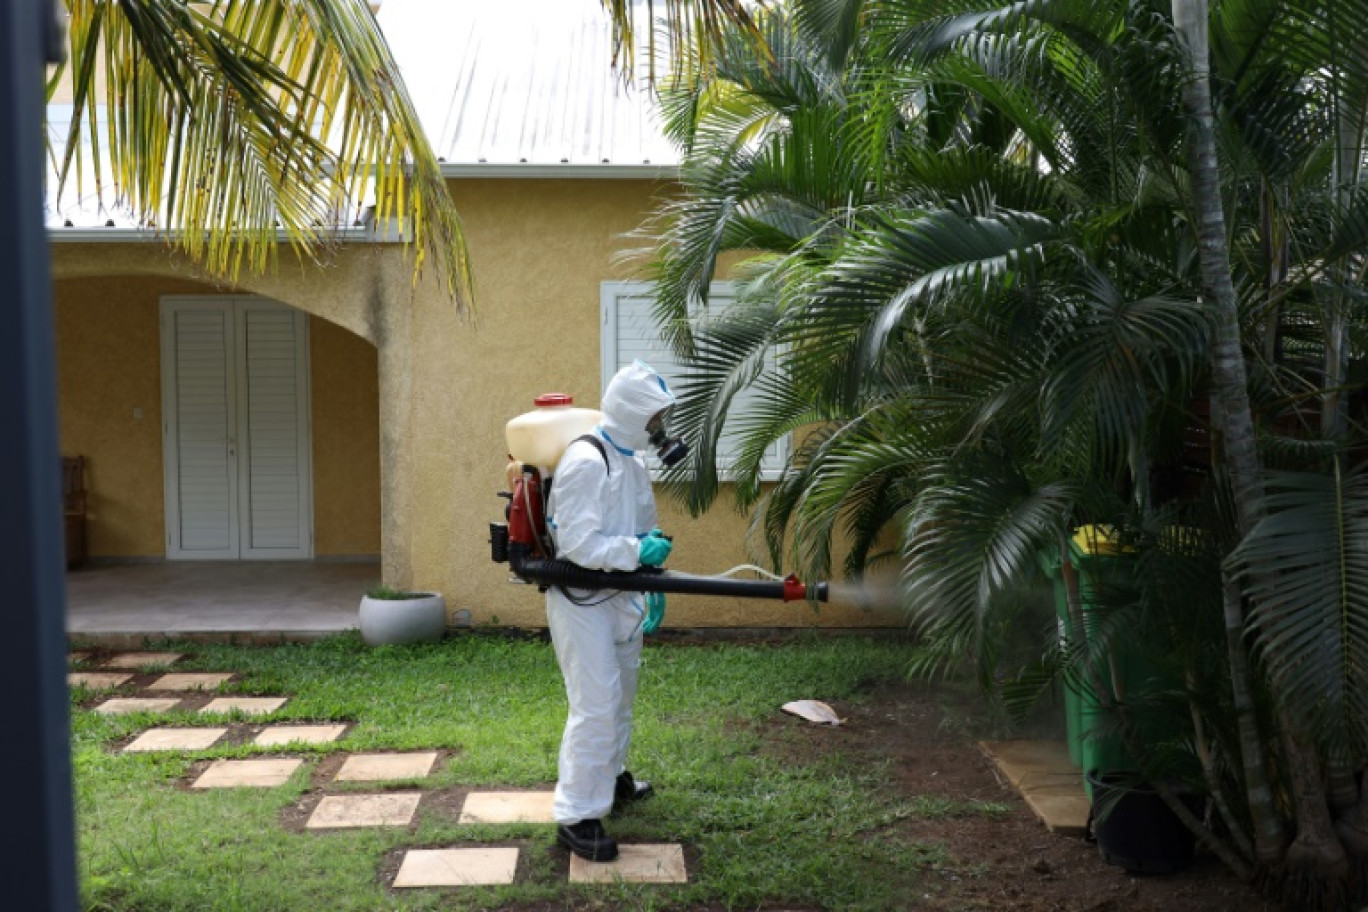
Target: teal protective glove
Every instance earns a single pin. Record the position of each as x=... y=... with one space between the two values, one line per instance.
x=655 y=612
x=654 y=548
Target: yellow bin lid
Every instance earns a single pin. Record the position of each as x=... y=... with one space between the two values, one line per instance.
x=1096 y=540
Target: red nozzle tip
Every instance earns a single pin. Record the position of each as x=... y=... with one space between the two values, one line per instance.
x=793 y=589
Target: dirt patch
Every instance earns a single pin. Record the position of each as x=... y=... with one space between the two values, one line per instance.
x=1001 y=862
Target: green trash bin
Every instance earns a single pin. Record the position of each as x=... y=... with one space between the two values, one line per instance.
x=1095 y=558
x=1073 y=699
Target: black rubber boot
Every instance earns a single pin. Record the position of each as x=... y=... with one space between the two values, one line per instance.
x=587 y=840
x=627 y=789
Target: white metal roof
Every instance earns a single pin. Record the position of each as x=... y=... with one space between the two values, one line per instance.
x=524 y=87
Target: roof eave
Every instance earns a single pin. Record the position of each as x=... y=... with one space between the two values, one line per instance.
x=146 y=236
x=576 y=171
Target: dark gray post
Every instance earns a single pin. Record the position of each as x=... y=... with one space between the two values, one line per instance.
x=37 y=854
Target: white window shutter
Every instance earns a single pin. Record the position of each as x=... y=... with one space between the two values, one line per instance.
x=630 y=332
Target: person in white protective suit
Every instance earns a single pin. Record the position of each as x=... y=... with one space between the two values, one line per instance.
x=602 y=516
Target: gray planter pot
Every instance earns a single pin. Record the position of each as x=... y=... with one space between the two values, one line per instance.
x=391 y=622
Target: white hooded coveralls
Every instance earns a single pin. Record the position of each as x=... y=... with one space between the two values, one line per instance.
x=596 y=517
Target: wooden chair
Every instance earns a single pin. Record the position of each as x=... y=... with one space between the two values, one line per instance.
x=74 y=509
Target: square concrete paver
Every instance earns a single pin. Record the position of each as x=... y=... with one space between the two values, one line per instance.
x=379 y=767
x=634 y=864
x=507 y=807
x=247 y=773
x=252 y=706
x=298 y=734
x=161 y=739
x=118 y=706
x=456 y=867
x=140 y=659
x=187 y=680
x=96 y=680
x=335 y=811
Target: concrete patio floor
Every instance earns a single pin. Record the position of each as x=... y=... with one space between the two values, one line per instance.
x=120 y=605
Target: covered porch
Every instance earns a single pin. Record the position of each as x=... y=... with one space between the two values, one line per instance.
x=121 y=605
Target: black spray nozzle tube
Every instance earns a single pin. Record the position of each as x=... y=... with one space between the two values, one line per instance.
x=563 y=573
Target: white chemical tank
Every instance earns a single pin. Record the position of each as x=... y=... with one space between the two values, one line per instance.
x=540 y=436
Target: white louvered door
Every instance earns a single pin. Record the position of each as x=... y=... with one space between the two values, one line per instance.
x=235 y=399
x=199 y=423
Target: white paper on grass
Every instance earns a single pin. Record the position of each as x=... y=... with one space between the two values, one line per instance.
x=813 y=711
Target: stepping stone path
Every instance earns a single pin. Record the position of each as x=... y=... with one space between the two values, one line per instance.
x=298 y=734
x=392 y=809
x=635 y=864
x=456 y=867
x=379 y=767
x=507 y=807
x=160 y=739
x=248 y=773
x=190 y=681
x=451 y=867
x=141 y=659
x=96 y=680
x=252 y=706
x=120 y=705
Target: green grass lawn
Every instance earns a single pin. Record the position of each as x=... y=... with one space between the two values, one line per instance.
x=762 y=825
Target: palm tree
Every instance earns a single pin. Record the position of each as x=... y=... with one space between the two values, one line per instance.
x=220 y=124
x=996 y=289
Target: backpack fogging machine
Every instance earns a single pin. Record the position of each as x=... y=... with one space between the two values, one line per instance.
x=536 y=441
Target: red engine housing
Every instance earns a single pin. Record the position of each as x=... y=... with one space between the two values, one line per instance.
x=526 y=519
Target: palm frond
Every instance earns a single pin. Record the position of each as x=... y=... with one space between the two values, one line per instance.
x=1305 y=568
x=689 y=27
x=221 y=124
x=1113 y=358
x=967 y=540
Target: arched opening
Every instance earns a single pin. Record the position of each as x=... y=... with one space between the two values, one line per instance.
x=232 y=479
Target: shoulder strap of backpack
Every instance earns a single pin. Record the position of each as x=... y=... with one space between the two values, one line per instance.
x=598 y=445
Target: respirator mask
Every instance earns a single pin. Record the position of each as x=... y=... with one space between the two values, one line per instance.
x=669 y=450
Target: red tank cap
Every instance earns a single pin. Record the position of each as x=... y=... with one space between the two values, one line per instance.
x=549 y=399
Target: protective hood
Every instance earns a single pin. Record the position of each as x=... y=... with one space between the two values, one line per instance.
x=633 y=396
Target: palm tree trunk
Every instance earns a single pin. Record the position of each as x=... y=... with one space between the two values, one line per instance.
x=1317 y=847
x=1230 y=399
x=1209 y=773
x=1269 y=838
x=1228 y=368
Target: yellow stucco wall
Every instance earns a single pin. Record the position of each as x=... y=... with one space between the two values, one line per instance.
x=346 y=441
x=108 y=337
x=108 y=363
